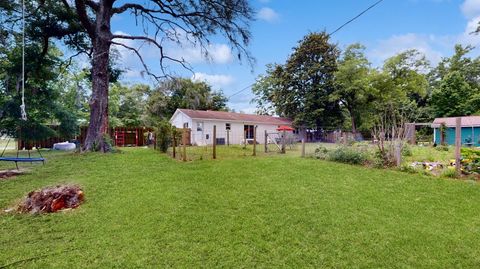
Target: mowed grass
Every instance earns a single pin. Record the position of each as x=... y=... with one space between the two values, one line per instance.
x=241 y=151
x=144 y=209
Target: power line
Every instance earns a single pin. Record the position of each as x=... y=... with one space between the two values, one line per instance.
x=336 y=30
x=356 y=17
x=249 y=86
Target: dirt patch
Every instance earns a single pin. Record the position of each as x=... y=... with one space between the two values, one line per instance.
x=7 y=174
x=52 y=199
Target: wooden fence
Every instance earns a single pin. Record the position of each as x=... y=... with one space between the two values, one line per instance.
x=121 y=137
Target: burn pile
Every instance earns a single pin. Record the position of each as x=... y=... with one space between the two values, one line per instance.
x=52 y=199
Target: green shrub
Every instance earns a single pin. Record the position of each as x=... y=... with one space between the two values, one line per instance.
x=470 y=160
x=383 y=159
x=321 y=153
x=348 y=155
x=163 y=134
x=442 y=148
x=450 y=173
x=406 y=150
x=409 y=169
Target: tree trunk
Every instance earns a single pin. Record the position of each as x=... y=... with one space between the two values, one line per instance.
x=98 y=126
x=354 y=124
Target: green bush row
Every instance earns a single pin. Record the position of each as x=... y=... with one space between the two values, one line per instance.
x=344 y=154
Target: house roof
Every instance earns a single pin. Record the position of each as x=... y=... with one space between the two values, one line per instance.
x=231 y=116
x=467 y=121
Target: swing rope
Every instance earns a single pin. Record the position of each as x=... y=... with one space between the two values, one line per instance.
x=23 y=110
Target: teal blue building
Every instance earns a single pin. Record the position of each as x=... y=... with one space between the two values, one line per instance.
x=470 y=130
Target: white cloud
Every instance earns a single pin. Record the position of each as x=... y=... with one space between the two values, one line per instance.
x=468 y=37
x=217 y=81
x=214 y=53
x=423 y=43
x=471 y=8
x=128 y=57
x=433 y=46
x=268 y=14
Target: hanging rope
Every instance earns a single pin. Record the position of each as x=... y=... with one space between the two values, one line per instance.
x=22 y=106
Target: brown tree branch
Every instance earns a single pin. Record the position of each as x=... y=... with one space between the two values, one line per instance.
x=93 y=5
x=139 y=57
x=159 y=46
x=125 y=7
x=84 y=19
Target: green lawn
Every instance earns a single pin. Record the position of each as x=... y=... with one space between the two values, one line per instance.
x=144 y=209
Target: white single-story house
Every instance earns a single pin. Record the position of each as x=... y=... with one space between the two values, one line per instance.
x=232 y=128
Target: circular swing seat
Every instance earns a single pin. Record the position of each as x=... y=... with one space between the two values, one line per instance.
x=21 y=159
x=17 y=160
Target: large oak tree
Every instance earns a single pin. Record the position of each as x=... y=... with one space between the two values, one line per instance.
x=85 y=25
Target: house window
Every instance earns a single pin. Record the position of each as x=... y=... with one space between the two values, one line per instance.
x=199 y=126
x=248 y=131
x=227 y=126
x=185 y=125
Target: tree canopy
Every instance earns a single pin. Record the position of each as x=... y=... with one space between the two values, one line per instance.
x=85 y=26
x=183 y=93
x=300 y=89
x=322 y=88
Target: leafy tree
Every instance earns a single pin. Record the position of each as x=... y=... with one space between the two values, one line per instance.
x=400 y=87
x=352 y=85
x=455 y=97
x=132 y=107
x=301 y=88
x=183 y=93
x=469 y=68
x=73 y=85
x=407 y=70
x=43 y=102
x=85 y=25
x=455 y=84
x=264 y=88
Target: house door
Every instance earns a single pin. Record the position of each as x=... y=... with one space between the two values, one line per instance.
x=248 y=131
x=200 y=136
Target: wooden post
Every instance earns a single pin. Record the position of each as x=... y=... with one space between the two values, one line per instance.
x=228 y=138
x=283 y=141
x=266 y=141
x=245 y=139
x=255 y=140
x=214 y=142
x=458 y=144
x=174 y=146
x=303 y=147
x=412 y=132
x=398 y=153
x=184 y=142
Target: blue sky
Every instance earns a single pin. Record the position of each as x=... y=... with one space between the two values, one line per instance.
x=431 y=26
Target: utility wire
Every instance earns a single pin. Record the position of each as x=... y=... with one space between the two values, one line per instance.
x=356 y=17
x=249 y=86
x=336 y=30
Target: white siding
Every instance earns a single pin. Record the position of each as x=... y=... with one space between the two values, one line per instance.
x=205 y=136
x=234 y=136
x=179 y=119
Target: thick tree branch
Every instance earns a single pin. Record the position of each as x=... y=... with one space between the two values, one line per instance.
x=92 y=5
x=84 y=19
x=147 y=70
x=159 y=46
x=125 y=7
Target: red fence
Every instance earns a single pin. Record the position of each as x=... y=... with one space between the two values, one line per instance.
x=121 y=137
